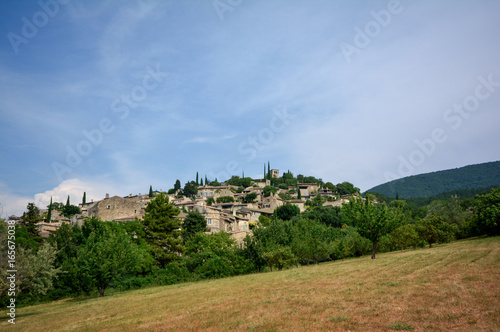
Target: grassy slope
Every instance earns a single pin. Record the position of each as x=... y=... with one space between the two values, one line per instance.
x=450 y=287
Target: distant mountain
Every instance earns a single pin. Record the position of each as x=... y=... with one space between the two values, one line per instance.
x=432 y=184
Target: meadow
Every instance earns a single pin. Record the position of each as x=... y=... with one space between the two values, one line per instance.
x=452 y=286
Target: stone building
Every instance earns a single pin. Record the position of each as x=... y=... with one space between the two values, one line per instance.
x=117 y=208
x=306 y=189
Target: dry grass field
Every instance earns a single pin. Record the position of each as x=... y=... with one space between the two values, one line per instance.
x=452 y=287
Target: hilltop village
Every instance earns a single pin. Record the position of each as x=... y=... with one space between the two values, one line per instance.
x=226 y=207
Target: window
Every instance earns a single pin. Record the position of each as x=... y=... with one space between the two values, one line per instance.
x=109 y=207
x=135 y=211
x=209 y=221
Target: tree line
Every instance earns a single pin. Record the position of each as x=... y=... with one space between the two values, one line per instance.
x=163 y=249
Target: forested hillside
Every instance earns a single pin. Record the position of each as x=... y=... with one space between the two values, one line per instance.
x=431 y=184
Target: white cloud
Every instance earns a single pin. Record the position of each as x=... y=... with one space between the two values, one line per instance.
x=96 y=189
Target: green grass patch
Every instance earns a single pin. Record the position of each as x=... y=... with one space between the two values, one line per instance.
x=401 y=327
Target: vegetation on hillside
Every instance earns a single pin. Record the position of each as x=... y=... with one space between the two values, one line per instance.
x=160 y=249
x=430 y=184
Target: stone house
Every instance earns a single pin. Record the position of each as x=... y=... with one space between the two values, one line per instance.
x=306 y=189
x=298 y=202
x=215 y=192
x=324 y=192
x=262 y=183
x=47 y=228
x=117 y=208
x=338 y=203
x=271 y=202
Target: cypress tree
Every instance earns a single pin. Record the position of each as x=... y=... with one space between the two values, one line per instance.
x=84 y=199
x=67 y=201
x=268 y=170
x=49 y=214
x=201 y=182
x=197 y=183
x=151 y=191
x=265 y=176
x=299 y=195
x=177 y=185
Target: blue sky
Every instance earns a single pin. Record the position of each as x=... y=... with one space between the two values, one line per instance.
x=115 y=96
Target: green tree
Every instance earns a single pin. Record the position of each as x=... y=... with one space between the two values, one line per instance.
x=451 y=211
x=279 y=256
x=225 y=199
x=151 y=191
x=177 y=185
x=67 y=240
x=190 y=189
x=486 y=217
x=269 y=170
x=70 y=210
x=210 y=201
x=84 y=199
x=49 y=213
x=108 y=256
x=435 y=230
x=299 y=194
x=312 y=241
x=285 y=196
x=328 y=215
x=57 y=206
x=30 y=220
x=194 y=223
x=215 y=255
x=371 y=220
x=268 y=190
x=35 y=271
x=287 y=211
x=346 y=188
x=161 y=229
x=316 y=201
x=330 y=186
x=250 y=197
x=405 y=236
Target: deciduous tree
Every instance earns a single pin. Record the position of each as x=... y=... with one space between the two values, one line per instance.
x=108 y=256
x=287 y=211
x=371 y=220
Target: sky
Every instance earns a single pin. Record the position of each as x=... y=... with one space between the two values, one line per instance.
x=115 y=96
